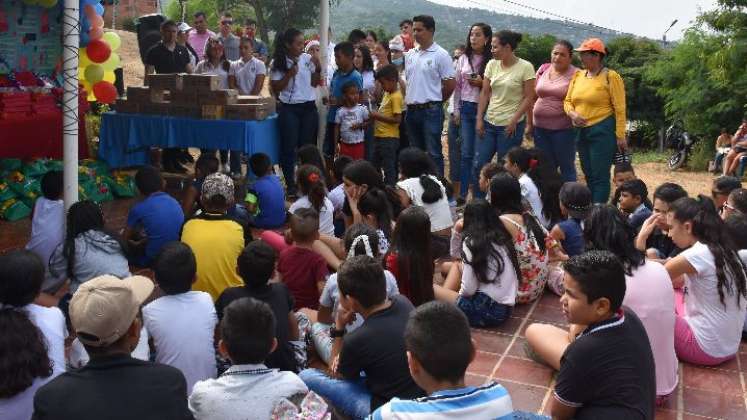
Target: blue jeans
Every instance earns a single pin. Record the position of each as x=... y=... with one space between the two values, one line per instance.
x=424 y=128
x=350 y=397
x=455 y=150
x=297 y=126
x=494 y=142
x=468 y=136
x=559 y=147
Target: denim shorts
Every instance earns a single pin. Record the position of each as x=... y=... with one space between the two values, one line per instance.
x=483 y=311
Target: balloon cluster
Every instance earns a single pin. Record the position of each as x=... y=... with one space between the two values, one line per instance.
x=43 y=3
x=97 y=59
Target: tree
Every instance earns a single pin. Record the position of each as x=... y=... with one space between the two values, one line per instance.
x=536 y=49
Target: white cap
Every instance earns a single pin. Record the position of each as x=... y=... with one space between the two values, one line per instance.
x=397 y=44
x=183 y=27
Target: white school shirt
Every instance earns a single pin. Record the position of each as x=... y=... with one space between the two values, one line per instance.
x=717 y=329
x=439 y=212
x=47 y=228
x=337 y=197
x=182 y=327
x=246 y=73
x=348 y=117
x=503 y=288
x=530 y=193
x=299 y=89
x=326 y=216
x=424 y=71
x=330 y=297
x=205 y=67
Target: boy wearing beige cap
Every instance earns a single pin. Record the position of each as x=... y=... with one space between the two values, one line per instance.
x=113 y=385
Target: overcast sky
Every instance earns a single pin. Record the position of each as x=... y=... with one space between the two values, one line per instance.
x=648 y=18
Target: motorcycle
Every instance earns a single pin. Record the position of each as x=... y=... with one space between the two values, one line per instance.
x=681 y=141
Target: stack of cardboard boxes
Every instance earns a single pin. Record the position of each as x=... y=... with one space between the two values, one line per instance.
x=193 y=96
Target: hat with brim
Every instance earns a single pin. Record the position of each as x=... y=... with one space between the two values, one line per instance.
x=183 y=27
x=397 y=44
x=592 y=44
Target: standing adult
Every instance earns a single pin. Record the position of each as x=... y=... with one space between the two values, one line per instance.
x=181 y=39
x=429 y=73
x=382 y=54
x=294 y=75
x=595 y=102
x=453 y=140
x=406 y=28
x=371 y=40
x=198 y=38
x=470 y=70
x=168 y=57
x=229 y=40
x=250 y=31
x=506 y=95
x=553 y=132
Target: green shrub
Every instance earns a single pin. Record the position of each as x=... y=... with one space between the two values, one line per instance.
x=702 y=152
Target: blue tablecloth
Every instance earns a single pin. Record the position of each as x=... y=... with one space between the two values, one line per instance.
x=125 y=139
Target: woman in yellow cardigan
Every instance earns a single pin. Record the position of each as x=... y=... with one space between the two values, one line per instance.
x=596 y=104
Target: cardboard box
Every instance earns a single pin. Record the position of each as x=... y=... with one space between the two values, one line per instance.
x=185 y=98
x=186 y=111
x=203 y=82
x=246 y=112
x=218 y=97
x=213 y=112
x=168 y=82
x=138 y=94
x=162 y=108
x=126 y=107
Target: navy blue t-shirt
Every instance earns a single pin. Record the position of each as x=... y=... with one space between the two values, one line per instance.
x=339 y=80
x=271 y=198
x=161 y=216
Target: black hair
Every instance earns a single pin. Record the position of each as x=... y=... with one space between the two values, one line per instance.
x=374 y=202
x=304 y=224
x=368 y=64
x=576 y=198
x=249 y=21
x=355 y=36
x=636 y=187
x=428 y=22
x=739 y=198
x=599 y=274
x=52 y=185
x=148 y=180
x=280 y=55
x=486 y=54
x=309 y=154
x=346 y=48
x=607 y=229
x=207 y=164
x=548 y=182
x=438 y=336
x=224 y=63
x=248 y=330
x=349 y=85
x=505 y=197
x=385 y=46
x=175 y=268
x=167 y=23
x=483 y=230
x=736 y=226
x=25 y=356
x=506 y=37
x=491 y=169
x=81 y=217
x=256 y=263
x=726 y=184
x=361 y=229
x=566 y=44
x=623 y=167
x=388 y=72
x=415 y=163
x=411 y=242
x=362 y=172
x=200 y=14
x=710 y=230
x=339 y=165
x=405 y=21
x=362 y=278
x=669 y=192
x=260 y=164
x=373 y=35
x=310 y=183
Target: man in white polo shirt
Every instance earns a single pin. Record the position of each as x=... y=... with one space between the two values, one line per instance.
x=429 y=73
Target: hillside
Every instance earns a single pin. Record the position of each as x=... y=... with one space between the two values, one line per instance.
x=452 y=23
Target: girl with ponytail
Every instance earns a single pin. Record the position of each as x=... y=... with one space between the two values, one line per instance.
x=313 y=191
x=539 y=185
x=710 y=281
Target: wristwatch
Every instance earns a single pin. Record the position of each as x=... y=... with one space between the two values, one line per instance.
x=335 y=333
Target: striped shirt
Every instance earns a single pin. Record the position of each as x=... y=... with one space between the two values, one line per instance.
x=489 y=401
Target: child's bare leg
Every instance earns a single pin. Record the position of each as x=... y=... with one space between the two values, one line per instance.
x=454 y=278
x=548 y=342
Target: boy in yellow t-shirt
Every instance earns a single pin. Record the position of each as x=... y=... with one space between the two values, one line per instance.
x=387 y=120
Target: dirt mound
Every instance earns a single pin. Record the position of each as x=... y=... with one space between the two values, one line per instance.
x=130 y=56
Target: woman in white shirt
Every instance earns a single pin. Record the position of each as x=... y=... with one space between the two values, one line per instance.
x=538 y=187
x=293 y=78
x=710 y=282
x=247 y=74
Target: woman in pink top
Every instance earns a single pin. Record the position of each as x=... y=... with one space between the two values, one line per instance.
x=470 y=69
x=553 y=133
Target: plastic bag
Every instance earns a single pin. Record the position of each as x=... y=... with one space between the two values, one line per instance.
x=55 y=165
x=13 y=210
x=123 y=186
x=96 y=167
x=35 y=169
x=5 y=192
x=27 y=189
x=10 y=164
x=104 y=192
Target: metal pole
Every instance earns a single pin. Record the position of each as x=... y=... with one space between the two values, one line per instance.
x=323 y=43
x=70 y=45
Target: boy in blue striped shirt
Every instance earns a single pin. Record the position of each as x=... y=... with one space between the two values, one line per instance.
x=439 y=349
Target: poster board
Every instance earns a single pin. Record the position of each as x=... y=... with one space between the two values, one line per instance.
x=30 y=38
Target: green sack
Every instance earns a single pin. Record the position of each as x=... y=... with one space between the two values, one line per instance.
x=5 y=192
x=55 y=165
x=87 y=189
x=27 y=189
x=13 y=210
x=97 y=167
x=10 y=164
x=35 y=169
x=104 y=191
x=124 y=186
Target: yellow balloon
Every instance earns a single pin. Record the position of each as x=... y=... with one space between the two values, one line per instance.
x=113 y=39
x=83 y=60
x=112 y=63
x=47 y=3
x=81 y=74
x=110 y=77
x=94 y=73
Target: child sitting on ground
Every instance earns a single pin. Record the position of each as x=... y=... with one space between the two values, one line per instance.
x=248 y=388
x=47 y=223
x=182 y=322
x=386 y=126
x=314 y=196
x=536 y=183
x=269 y=209
x=256 y=265
x=486 y=174
x=575 y=203
x=350 y=122
x=653 y=238
x=621 y=172
x=300 y=268
x=632 y=202
x=606 y=371
x=439 y=350
x=158 y=215
x=204 y=166
x=337 y=194
x=359 y=239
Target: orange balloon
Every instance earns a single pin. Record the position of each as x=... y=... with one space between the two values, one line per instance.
x=96 y=21
x=105 y=92
x=95 y=33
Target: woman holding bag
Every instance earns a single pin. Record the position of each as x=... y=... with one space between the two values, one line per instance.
x=596 y=105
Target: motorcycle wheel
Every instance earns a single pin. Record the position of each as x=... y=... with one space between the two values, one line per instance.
x=677 y=159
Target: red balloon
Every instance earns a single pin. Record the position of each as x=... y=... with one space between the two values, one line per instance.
x=98 y=51
x=105 y=92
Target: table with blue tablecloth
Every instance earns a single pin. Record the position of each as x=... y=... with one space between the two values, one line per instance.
x=125 y=139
